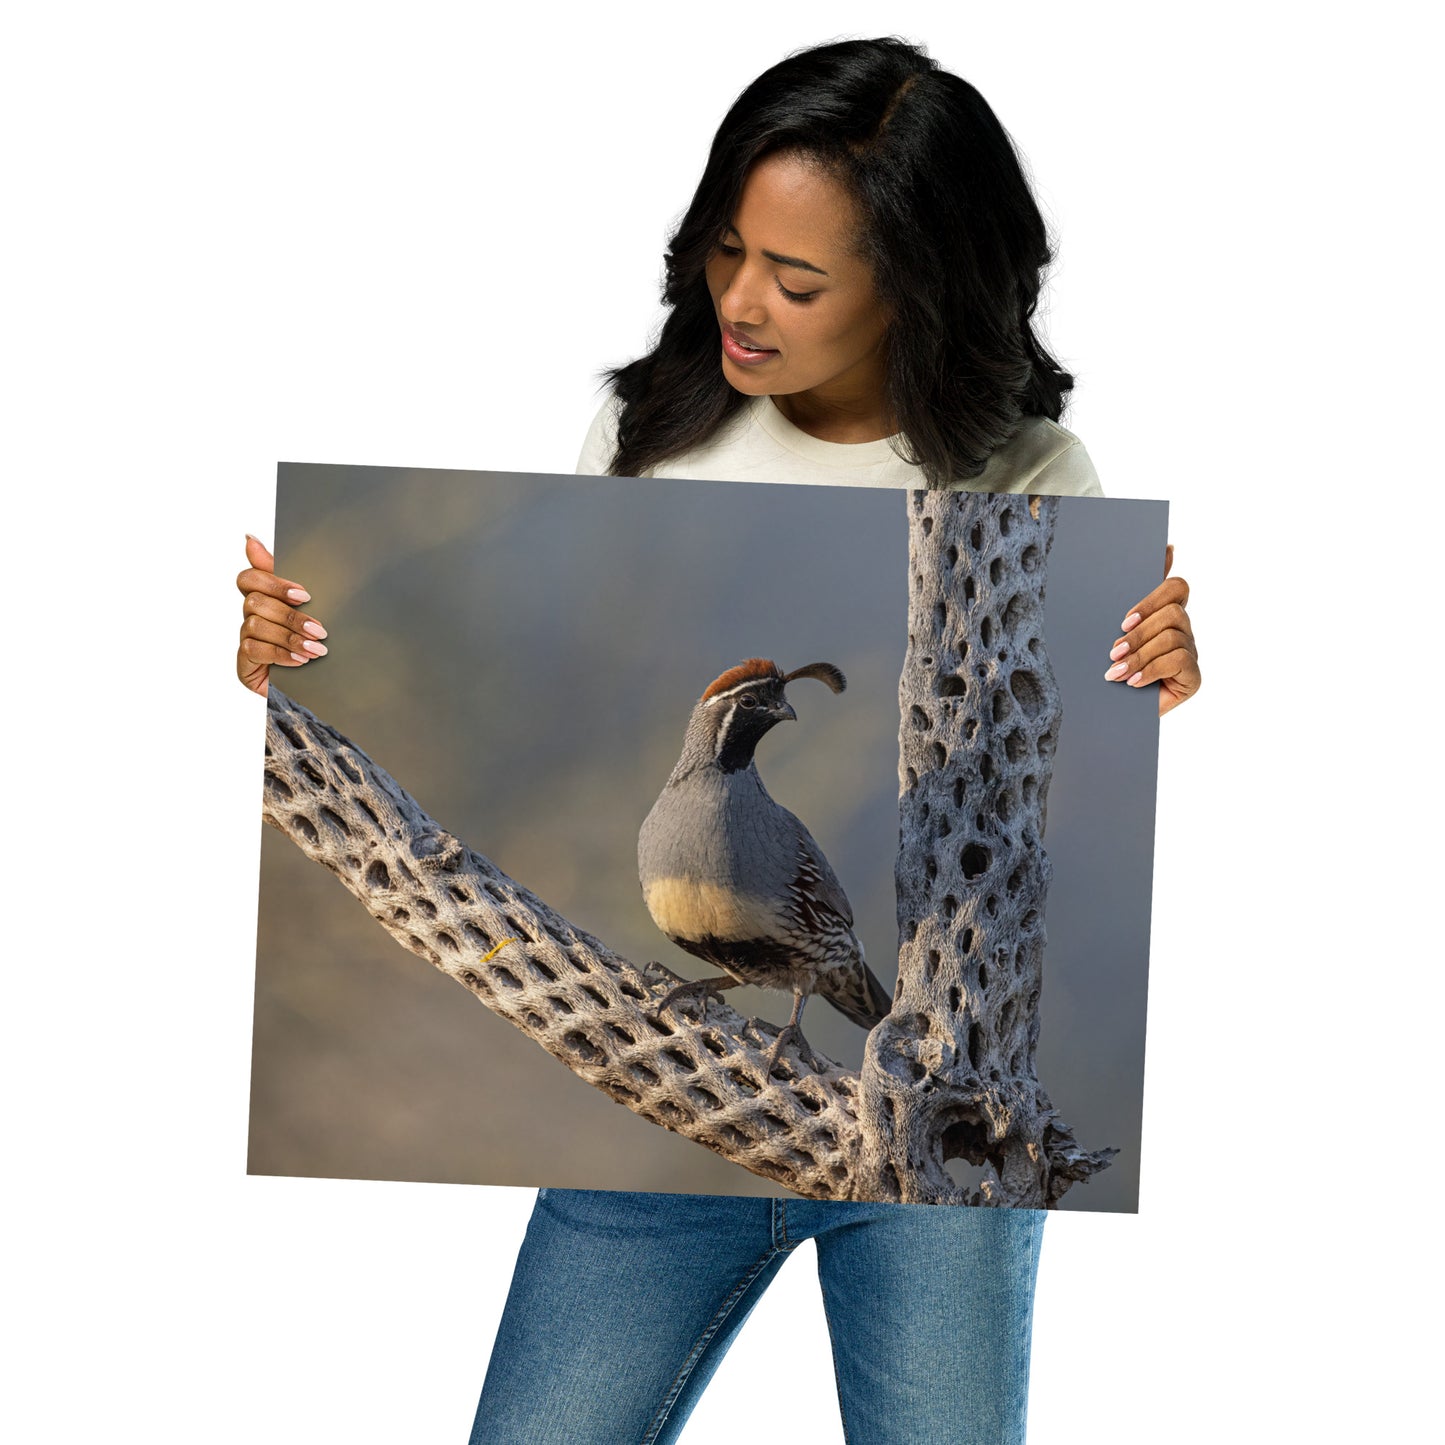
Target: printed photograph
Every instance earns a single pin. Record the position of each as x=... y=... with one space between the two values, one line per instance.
x=707 y=836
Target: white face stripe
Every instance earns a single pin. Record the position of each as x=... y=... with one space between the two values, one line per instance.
x=722 y=737
x=742 y=687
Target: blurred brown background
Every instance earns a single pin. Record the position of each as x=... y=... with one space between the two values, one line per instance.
x=522 y=652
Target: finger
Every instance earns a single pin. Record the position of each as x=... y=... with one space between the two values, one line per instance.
x=1171 y=589
x=1169 y=699
x=1169 y=641
x=1168 y=558
x=258 y=555
x=1170 y=616
x=260 y=653
x=297 y=644
x=255 y=579
x=274 y=610
x=1180 y=666
x=255 y=676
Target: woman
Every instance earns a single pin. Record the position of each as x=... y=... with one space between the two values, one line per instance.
x=850 y=299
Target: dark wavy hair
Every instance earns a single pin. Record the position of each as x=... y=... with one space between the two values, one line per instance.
x=951 y=230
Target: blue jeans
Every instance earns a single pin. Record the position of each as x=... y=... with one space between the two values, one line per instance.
x=622 y=1306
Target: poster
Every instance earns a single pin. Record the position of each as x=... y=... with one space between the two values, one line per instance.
x=522 y=654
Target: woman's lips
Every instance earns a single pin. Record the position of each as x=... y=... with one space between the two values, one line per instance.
x=740 y=348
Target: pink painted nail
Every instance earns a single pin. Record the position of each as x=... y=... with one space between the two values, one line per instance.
x=1132 y=620
x=299 y=657
x=316 y=649
x=1134 y=681
x=297 y=594
x=313 y=629
x=1116 y=672
x=1121 y=649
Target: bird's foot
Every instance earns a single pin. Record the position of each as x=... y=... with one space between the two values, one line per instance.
x=705 y=987
x=792 y=1033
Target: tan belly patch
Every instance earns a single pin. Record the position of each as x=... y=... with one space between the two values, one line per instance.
x=685 y=908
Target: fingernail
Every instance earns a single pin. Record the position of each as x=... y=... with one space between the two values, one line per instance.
x=252 y=537
x=313 y=629
x=1131 y=620
x=316 y=649
x=299 y=657
x=1116 y=672
x=1134 y=681
x=1120 y=649
x=297 y=594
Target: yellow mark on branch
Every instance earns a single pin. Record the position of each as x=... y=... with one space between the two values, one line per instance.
x=492 y=953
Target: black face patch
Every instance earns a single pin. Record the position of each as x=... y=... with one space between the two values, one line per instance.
x=742 y=726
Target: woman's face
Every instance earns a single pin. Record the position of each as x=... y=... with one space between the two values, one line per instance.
x=795 y=304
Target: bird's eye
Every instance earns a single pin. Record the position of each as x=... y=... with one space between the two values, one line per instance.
x=747 y=700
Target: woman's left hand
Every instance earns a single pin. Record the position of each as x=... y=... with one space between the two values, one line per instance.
x=1158 y=643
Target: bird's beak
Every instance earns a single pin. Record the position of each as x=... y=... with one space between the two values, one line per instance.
x=786 y=711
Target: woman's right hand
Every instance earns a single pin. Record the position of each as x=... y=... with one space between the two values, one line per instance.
x=272 y=630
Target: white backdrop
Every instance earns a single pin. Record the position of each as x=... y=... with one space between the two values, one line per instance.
x=356 y=233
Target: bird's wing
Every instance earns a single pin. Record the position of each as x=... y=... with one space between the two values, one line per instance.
x=849 y=985
x=815 y=885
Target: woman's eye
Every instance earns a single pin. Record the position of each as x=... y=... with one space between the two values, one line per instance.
x=796 y=295
x=723 y=249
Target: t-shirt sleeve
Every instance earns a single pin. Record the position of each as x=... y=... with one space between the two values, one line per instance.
x=1070 y=474
x=600 y=445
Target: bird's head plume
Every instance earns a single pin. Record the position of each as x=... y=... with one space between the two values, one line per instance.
x=761 y=671
x=740 y=706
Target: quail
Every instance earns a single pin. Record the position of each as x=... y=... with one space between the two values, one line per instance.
x=734 y=878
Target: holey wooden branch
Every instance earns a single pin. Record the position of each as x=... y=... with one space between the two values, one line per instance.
x=583 y=1003
x=949 y=1074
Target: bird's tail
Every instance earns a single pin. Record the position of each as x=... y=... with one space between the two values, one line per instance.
x=856 y=993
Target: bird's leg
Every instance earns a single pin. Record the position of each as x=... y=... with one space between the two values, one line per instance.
x=793 y=1030
x=710 y=987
